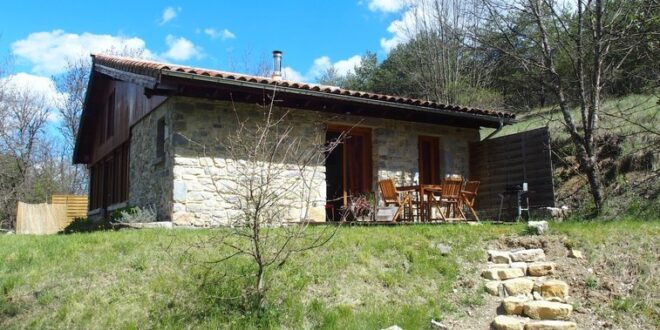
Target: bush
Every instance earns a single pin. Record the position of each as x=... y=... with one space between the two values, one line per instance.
x=84 y=225
x=135 y=215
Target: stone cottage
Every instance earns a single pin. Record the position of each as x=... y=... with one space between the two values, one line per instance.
x=142 y=121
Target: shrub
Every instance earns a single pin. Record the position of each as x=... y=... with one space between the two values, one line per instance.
x=135 y=215
x=84 y=225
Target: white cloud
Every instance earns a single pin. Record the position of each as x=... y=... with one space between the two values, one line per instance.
x=412 y=19
x=181 y=49
x=37 y=86
x=288 y=73
x=320 y=66
x=224 y=34
x=49 y=51
x=169 y=14
x=387 y=6
x=342 y=67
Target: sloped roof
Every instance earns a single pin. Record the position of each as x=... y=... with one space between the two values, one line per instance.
x=156 y=70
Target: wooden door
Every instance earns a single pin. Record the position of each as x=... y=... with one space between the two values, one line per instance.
x=429 y=160
x=356 y=161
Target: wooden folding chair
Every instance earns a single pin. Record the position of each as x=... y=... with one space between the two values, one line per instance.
x=468 y=195
x=393 y=197
x=450 y=198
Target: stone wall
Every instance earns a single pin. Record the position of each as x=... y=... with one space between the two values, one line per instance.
x=150 y=181
x=207 y=171
x=395 y=153
x=204 y=171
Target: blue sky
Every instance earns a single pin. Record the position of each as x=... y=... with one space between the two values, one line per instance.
x=224 y=35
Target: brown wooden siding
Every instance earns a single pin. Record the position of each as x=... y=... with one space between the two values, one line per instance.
x=510 y=160
x=130 y=105
x=115 y=107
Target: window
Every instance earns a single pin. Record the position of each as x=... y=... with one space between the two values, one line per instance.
x=160 y=138
x=110 y=112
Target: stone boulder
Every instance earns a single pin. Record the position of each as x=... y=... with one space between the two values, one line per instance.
x=502 y=273
x=503 y=322
x=518 y=286
x=499 y=257
x=537 y=227
x=528 y=255
x=554 y=288
x=547 y=310
x=514 y=305
x=577 y=254
x=551 y=325
x=494 y=288
x=521 y=265
x=540 y=268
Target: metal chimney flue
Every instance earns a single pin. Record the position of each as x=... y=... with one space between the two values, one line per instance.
x=277 y=65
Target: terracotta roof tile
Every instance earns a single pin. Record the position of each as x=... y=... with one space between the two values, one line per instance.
x=154 y=69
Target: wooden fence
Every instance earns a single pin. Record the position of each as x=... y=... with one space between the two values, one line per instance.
x=50 y=218
x=76 y=205
x=512 y=160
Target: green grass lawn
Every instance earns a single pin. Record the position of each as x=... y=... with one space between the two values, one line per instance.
x=365 y=278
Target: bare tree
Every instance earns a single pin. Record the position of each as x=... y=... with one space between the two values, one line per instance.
x=25 y=115
x=270 y=185
x=584 y=35
x=441 y=47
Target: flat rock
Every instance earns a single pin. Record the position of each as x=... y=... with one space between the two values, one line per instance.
x=514 y=305
x=508 y=273
x=577 y=254
x=528 y=255
x=393 y=327
x=499 y=257
x=537 y=227
x=491 y=274
x=547 y=310
x=503 y=322
x=519 y=264
x=554 y=288
x=540 y=268
x=518 y=286
x=551 y=325
x=494 y=288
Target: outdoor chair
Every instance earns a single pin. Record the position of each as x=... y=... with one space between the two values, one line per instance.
x=391 y=196
x=450 y=199
x=468 y=195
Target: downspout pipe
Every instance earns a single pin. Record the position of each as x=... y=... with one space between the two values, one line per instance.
x=497 y=130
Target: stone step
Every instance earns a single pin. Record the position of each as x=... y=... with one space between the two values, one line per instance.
x=502 y=273
x=551 y=325
x=540 y=268
x=503 y=322
x=514 y=305
x=518 y=286
x=495 y=288
x=499 y=257
x=547 y=310
x=554 y=288
x=528 y=255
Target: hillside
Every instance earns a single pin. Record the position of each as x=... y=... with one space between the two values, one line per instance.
x=366 y=278
x=629 y=145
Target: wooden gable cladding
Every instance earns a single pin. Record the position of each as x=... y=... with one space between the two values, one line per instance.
x=111 y=122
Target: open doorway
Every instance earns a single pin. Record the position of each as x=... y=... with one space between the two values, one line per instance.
x=348 y=168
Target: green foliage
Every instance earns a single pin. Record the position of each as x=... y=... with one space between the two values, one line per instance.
x=84 y=225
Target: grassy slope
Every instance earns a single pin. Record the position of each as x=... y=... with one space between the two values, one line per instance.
x=365 y=278
x=642 y=109
x=636 y=190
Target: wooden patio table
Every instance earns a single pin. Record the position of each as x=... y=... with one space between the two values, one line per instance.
x=422 y=190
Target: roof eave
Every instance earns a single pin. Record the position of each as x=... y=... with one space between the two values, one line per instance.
x=496 y=120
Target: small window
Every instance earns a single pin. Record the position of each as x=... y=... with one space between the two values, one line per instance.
x=160 y=138
x=110 y=122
